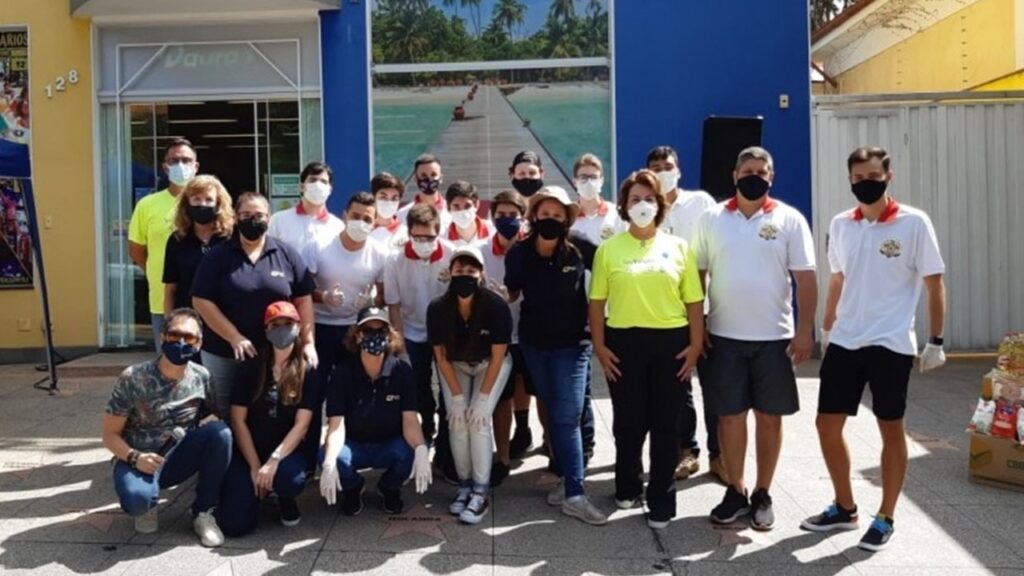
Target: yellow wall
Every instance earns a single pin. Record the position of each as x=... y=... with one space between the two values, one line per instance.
x=62 y=168
x=1014 y=81
x=969 y=48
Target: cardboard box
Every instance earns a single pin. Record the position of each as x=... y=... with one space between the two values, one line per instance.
x=997 y=462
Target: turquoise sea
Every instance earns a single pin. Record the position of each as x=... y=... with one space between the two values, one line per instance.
x=404 y=130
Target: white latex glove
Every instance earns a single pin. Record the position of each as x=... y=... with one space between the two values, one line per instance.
x=498 y=288
x=330 y=483
x=932 y=357
x=421 y=469
x=366 y=297
x=824 y=341
x=334 y=297
x=309 y=353
x=478 y=416
x=457 y=413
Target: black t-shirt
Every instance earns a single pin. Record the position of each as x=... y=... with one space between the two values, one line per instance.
x=181 y=260
x=473 y=340
x=243 y=289
x=553 y=313
x=269 y=420
x=372 y=410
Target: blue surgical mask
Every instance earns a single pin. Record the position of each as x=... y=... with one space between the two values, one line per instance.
x=508 y=226
x=178 y=353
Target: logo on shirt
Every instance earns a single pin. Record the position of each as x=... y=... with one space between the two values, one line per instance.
x=607 y=232
x=276 y=274
x=568 y=269
x=444 y=276
x=392 y=397
x=891 y=248
x=769 y=231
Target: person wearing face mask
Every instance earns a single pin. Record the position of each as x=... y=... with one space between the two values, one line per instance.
x=684 y=209
x=271 y=409
x=527 y=173
x=467 y=228
x=547 y=270
x=647 y=321
x=470 y=328
x=751 y=249
x=373 y=394
x=428 y=178
x=389 y=230
x=412 y=280
x=152 y=223
x=598 y=220
x=162 y=428
x=236 y=281
x=204 y=218
x=309 y=222
x=881 y=254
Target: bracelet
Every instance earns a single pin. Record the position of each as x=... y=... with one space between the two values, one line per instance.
x=133 y=459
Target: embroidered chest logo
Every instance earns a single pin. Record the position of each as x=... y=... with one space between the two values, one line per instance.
x=444 y=276
x=607 y=232
x=392 y=397
x=276 y=274
x=891 y=249
x=769 y=231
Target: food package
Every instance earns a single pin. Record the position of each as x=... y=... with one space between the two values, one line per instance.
x=1020 y=425
x=983 y=416
x=1011 y=355
x=1004 y=387
x=1004 y=423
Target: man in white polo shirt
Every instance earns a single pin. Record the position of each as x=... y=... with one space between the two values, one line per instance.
x=881 y=254
x=751 y=247
x=427 y=172
x=308 y=222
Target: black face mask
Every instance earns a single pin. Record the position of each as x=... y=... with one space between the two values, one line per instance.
x=549 y=228
x=527 y=186
x=428 y=185
x=869 y=191
x=464 y=286
x=252 y=229
x=202 y=214
x=753 y=187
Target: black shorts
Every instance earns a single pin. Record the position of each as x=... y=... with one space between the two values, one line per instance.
x=518 y=368
x=845 y=372
x=743 y=374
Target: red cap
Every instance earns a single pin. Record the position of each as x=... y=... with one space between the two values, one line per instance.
x=280 y=309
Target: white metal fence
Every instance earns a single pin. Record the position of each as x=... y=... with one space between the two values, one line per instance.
x=959 y=157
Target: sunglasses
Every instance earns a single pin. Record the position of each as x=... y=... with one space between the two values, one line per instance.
x=188 y=338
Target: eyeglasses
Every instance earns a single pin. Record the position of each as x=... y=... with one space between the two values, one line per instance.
x=188 y=338
x=588 y=178
x=424 y=238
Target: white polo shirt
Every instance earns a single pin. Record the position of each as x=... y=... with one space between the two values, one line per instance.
x=682 y=217
x=883 y=264
x=494 y=272
x=442 y=211
x=355 y=271
x=601 y=225
x=481 y=238
x=393 y=236
x=298 y=229
x=414 y=283
x=749 y=263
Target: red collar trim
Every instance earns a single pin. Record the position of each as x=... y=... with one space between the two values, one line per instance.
x=411 y=254
x=496 y=247
x=322 y=215
x=892 y=207
x=769 y=205
x=439 y=203
x=481 y=230
x=602 y=208
x=391 y=226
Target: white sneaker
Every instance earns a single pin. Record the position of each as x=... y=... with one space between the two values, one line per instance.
x=582 y=509
x=148 y=523
x=205 y=526
x=627 y=504
x=557 y=494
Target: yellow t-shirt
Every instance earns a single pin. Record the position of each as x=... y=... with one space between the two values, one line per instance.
x=647 y=284
x=151 y=226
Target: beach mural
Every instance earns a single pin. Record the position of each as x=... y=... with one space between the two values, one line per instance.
x=475 y=81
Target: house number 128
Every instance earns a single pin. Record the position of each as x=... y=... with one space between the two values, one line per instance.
x=61 y=83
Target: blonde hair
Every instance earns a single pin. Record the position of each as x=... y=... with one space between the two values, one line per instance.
x=223 y=225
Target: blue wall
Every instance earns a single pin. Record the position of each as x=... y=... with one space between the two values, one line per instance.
x=676 y=63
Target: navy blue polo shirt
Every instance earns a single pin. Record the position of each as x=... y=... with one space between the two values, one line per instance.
x=372 y=409
x=270 y=418
x=553 y=313
x=181 y=260
x=470 y=340
x=243 y=289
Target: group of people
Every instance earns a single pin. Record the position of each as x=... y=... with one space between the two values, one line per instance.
x=267 y=322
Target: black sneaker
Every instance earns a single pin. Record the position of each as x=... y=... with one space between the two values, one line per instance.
x=833 y=518
x=732 y=507
x=762 y=517
x=290 y=515
x=521 y=442
x=878 y=535
x=476 y=509
x=352 y=501
x=499 y=471
x=391 y=500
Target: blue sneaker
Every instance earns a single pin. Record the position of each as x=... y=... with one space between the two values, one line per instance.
x=878 y=535
x=833 y=518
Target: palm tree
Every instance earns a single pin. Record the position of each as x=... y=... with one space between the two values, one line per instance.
x=564 y=10
x=822 y=11
x=474 y=6
x=508 y=14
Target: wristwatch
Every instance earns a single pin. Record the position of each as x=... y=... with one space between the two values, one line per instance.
x=936 y=340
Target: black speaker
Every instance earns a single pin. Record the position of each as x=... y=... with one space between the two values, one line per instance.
x=724 y=138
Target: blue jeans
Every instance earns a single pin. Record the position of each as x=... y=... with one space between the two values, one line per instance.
x=206 y=450
x=239 y=509
x=587 y=420
x=156 y=321
x=560 y=378
x=395 y=457
x=223 y=374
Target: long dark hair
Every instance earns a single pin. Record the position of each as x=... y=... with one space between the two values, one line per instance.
x=293 y=374
x=450 y=312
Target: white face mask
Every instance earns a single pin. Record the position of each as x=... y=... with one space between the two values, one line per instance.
x=589 y=189
x=358 y=230
x=669 y=180
x=179 y=173
x=387 y=209
x=317 y=192
x=424 y=249
x=643 y=213
x=464 y=218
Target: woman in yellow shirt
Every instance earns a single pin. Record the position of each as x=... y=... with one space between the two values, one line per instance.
x=648 y=342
